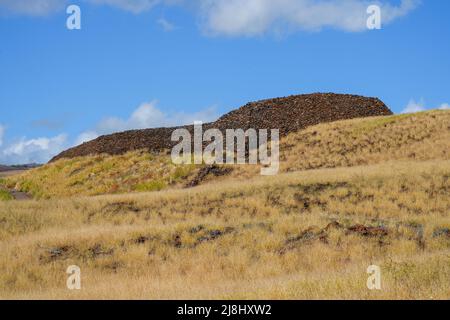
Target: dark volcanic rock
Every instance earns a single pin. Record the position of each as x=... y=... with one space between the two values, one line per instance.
x=287 y=114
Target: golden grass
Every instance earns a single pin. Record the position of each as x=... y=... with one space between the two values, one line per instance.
x=263 y=239
x=418 y=137
x=350 y=194
x=136 y=171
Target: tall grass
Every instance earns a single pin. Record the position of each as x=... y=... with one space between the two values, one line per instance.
x=416 y=137
x=283 y=237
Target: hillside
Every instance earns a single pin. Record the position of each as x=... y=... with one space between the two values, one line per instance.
x=416 y=137
x=350 y=194
x=303 y=235
x=288 y=114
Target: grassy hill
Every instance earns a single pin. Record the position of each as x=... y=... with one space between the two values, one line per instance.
x=417 y=137
x=350 y=194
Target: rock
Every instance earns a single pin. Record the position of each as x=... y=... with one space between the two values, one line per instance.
x=368 y=231
x=288 y=114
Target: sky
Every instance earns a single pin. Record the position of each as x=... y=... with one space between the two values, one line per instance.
x=152 y=63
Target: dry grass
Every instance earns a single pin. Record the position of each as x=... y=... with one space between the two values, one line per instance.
x=351 y=194
x=136 y=171
x=418 y=137
x=265 y=239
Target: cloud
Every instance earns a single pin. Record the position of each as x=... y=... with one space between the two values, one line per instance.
x=414 y=106
x=147 y=115
x=134 y=6
x=444 y=106
x=46 y=7
x=257 y=17
x=2 y=132
x=166 y=25
x=85 y=137
x=37 y=150
x=33 y=7
x=247 y=17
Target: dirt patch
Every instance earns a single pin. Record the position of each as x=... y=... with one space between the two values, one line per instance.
x=17 y=195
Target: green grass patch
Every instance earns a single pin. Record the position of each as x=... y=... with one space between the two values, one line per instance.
x=154 y=185
x=182 y=172
x=5 y=196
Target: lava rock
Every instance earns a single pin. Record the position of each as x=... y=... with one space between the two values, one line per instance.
x=288 y=114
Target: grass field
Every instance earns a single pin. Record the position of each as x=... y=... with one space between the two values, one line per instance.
x=308 y=233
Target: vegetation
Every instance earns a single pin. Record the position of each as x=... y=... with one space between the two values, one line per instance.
x=418 y=137
x=5 y=196
x=350 y=194
x=308 y=234
x=103 y=174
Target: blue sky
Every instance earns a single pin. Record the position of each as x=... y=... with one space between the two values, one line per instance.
x=148 y=63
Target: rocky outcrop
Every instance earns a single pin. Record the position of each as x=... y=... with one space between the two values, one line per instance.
x=288 y=114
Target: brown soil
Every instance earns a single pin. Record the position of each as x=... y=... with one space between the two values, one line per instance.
x=288 y=114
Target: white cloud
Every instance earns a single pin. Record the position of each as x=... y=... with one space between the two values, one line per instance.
x=256 y=17
x=419 y=106
x=247 y=17
x=166 y=25
x=134 y=6
x=33 y=7
x=45 y=7
x=444 y=106
x=85 y=137
x=147 y=115
x=38 y=150
x=414 y=106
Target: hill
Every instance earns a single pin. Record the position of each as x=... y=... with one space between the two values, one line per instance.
x=355 y=142
x=350 y=194
x=289 y=114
